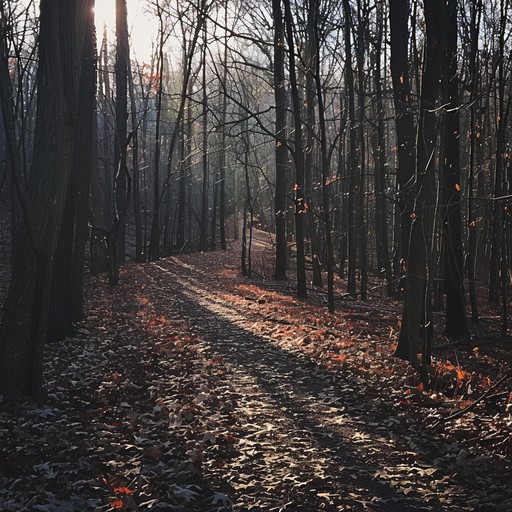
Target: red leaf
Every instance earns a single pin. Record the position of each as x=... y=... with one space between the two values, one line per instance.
x=123 y=490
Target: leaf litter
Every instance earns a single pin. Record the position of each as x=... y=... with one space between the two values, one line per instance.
x=190 y=388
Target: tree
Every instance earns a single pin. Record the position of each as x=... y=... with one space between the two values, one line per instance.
x=203 y=225
x=154 y=243
x=325 y=161
x=298 y=156
x=24 y=322
x=416 y=330
x=351 y=156
x=381 y=216
x=66 y=303
x=404 y=122
x=280 y=142
x=456 y=319
x=120 y=145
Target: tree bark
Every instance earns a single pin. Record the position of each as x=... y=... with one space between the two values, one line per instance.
x=381 y=216
x=24 y=323
x=351 y=155
x=203 y=236
x=121 y=106
x=416 y=330
x=298 y=155
x=456 y=319
x=280 y=151
x=404 y=120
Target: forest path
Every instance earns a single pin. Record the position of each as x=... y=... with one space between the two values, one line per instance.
x=189 y=388
x=309 y=438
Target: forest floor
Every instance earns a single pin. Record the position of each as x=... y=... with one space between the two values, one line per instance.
x=191 y=388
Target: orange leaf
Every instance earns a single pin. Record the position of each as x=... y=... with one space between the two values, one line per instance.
x=117 y=504
x=486 y=383
x=342 y=358
x=123 y=490
x=457 y=187
x=460 y=374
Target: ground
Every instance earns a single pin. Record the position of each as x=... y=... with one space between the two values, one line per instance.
x=191 y=388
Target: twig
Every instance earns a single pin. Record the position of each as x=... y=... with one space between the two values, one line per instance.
x=452 y=344
x=458 y=414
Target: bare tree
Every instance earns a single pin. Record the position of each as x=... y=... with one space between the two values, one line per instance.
x=24 y=322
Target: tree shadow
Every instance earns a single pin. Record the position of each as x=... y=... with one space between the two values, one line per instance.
x=300 y=389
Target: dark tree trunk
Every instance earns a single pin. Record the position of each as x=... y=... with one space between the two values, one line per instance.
x=298 y=153
x=352 y=228
x=66 y=303
x=456 y=319
x=105 y=93
x=404 y=119
x=154 y=237
x=416 y=330
x=140 y=254
x=324 y=160
x=280 y=152
x=310 y=153
x=24 y=322
x=362 y=14
x=476 y=13
x=381 y=216
x=182 y=191
x=203 y=236
x=222 y=158
x=122 y=57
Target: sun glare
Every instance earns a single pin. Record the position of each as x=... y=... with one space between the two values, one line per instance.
x=141 y=25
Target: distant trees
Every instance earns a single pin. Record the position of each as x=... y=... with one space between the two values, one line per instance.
x=370 y=139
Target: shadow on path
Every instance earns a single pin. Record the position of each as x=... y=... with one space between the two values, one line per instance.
x=345 y=450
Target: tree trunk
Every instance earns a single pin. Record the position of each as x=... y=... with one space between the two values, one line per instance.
x=381 y=217
x=476 y=13
x=280 y=151
x=66 y=305
x=222 y=156
x=456 y=319
x=351 y=156
x=298 y=154
x=24 y=322
x=203 y=237
x=310 y=153
x=404 y=120
x=325 y=163
x=363 y=15
x=122 y=57
x=154 y=238
x=140 y=254
x=416 y=330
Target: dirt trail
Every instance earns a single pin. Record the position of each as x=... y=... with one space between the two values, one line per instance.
x=191 y=389
x=308 y=439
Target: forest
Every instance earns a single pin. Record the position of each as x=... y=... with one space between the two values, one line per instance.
x=255 y=255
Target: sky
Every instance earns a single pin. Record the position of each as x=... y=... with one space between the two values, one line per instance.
x=141 y=25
